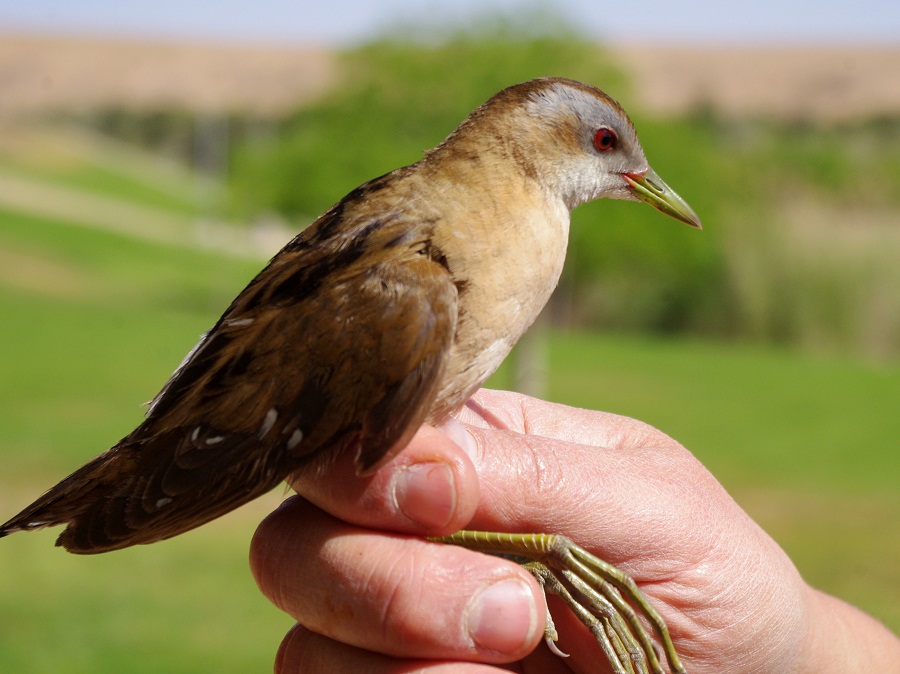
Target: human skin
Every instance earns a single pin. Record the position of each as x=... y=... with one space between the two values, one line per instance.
x=347 y=560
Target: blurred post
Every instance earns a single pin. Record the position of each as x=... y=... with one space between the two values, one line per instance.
x=529 y=360
x=211 y=158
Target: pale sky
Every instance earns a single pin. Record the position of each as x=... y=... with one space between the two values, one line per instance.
x=343 y=21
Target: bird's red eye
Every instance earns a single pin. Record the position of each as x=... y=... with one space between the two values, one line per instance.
x=605 y=139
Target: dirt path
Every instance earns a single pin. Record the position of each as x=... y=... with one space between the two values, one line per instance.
x=80 y=207
x=84 y=209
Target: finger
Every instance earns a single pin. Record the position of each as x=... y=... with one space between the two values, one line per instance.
x=647 y=503
x=394 y=594
x=306 y=652
x=430 y=488
x=524 y=414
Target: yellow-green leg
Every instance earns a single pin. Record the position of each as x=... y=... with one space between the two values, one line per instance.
x=593 y=590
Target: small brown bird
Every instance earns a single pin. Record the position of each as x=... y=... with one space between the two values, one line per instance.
x=388 y=312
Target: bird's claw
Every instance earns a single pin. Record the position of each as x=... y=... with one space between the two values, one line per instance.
x=594 y=590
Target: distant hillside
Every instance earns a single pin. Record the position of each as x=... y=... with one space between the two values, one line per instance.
x=40 y=73
x=834 y=83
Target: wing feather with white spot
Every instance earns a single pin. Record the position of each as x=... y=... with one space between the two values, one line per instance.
x=330 y=348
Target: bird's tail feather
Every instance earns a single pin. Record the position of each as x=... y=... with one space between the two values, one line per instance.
x=133 y=494
x=62 y=503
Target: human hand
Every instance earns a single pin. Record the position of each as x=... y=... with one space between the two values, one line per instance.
x=347 y=560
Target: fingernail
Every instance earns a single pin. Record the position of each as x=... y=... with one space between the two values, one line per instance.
x=502 y=617
x=457 y=432
x=426 y=494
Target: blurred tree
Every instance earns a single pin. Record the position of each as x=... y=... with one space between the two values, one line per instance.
x=399 y=96
x=628 y=268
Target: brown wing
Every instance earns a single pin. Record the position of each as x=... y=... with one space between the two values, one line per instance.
x=338 y=345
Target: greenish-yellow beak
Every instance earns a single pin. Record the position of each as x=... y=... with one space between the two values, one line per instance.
x=651 y=189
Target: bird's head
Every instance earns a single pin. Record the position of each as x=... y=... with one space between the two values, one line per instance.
x=577 y=141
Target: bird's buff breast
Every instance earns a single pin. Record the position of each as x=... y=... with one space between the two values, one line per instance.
x=505 y=288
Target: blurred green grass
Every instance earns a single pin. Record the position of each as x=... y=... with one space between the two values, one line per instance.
x=78 y=359
x=180 y=606
x=97 y=315
x=807 y=445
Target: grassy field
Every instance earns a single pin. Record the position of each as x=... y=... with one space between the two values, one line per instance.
x=81 y=352
x=100 y=166
x=95 y=321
